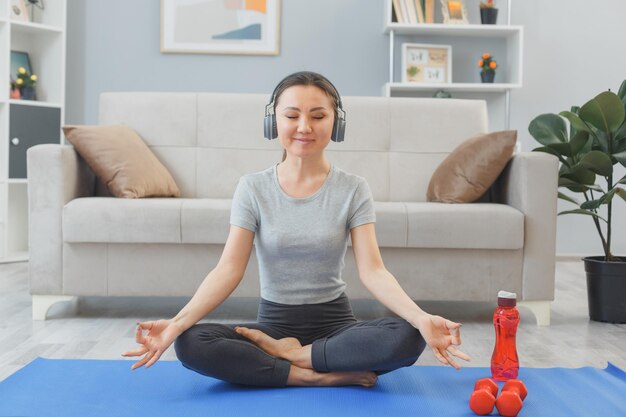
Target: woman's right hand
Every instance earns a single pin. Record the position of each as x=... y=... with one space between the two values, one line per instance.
x=161 y=334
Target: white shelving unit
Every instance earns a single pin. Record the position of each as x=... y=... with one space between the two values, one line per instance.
x=471 y=40
x=44 y=41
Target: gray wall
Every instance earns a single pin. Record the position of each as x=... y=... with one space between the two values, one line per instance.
x=572 y=51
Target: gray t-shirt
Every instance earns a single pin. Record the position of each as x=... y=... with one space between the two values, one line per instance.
x=301 y=242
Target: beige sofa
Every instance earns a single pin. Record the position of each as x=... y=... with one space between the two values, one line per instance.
x=86 y=243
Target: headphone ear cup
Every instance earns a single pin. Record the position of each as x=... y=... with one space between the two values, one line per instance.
x=339 y=130
x=269 y=127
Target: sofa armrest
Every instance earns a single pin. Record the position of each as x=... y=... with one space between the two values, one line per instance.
x=56 y=175
x=529 y=183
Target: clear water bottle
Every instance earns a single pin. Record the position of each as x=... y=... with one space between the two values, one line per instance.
x=504 y=361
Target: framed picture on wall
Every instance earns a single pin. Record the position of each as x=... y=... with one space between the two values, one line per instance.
x=243 y=27
x=426 y=63
x=19 y=11
x=454 y=12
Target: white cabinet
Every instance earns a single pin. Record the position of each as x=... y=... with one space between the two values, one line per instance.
x=24 y=123
x=468 y=42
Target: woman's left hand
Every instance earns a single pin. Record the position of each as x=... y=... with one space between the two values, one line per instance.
x=442 y=336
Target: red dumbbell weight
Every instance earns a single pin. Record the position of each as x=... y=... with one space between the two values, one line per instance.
x=510 y=401
x=484 y=396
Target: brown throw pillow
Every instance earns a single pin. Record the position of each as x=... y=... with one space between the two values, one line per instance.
x=122 y=161
x=470 y=169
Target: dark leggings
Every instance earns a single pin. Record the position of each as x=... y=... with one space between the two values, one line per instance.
x=339 y=343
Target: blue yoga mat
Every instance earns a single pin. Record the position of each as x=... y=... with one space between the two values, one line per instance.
x=61 y=387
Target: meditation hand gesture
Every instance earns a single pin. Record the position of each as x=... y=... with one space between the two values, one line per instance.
x=161 y=334
x=442 y=335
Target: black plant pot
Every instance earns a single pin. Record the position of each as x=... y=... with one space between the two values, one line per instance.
x=487 y=77
x=488 y=16
x=606 y=289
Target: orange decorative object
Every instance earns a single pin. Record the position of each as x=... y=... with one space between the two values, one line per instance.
x=486 y=56
x=257 y=5
x=15 y=94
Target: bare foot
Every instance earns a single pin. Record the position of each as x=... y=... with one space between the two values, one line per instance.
x=288 y=348
x=310 y=378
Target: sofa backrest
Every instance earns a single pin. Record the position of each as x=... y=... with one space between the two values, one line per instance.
x=208 y=140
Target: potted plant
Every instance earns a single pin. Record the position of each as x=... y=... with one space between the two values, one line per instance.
x=488 y=12
x=487 y=67
x=596 y=142
x=26 y=83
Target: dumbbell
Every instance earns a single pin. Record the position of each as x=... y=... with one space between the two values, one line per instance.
x=509 y=403
x=484 y=396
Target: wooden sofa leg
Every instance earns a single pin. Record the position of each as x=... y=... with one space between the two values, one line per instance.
x=42 y=303
x=541 y=310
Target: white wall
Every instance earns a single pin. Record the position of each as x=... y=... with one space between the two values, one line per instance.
x=573 y=49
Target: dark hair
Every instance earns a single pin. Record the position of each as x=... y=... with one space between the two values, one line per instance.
x=307 y=78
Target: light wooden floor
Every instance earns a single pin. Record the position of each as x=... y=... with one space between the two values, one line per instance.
x=104 y=327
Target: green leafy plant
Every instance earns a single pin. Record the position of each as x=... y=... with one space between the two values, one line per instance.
x=595 y=143
x=24 y=79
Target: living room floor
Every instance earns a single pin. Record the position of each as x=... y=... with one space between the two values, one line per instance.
x=104 y=327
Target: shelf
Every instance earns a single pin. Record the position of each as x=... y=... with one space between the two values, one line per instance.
x=20 y=256
x=35 y=103
x=34 y=28
x=458 y=87
x=490 y=31
x=17 y=181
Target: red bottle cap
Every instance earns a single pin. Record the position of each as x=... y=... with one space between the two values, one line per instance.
x=507 y=299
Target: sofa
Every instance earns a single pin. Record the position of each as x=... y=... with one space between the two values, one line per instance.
x=84 y=242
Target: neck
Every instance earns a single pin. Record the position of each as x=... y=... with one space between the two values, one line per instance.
x=298 y=169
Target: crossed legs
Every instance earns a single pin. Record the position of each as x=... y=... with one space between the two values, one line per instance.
x=260 y=355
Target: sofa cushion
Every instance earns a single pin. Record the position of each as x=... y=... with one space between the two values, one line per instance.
x=471 y=168
x=464 y=226
x=119 y=220
x=122 y=161
x=206 y=221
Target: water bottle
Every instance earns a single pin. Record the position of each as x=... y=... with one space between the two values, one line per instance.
x=504 y=361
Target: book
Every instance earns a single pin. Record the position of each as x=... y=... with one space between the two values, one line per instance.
x=429 y=11
x=420 y=11
x=398 y=10
x=411 y=11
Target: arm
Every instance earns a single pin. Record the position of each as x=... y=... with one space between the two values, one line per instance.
x=56 y=175
x=215 y=288
x=221 y=281
x=435 y=330
x=529 y=184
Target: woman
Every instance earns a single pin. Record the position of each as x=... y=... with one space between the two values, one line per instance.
x=301 y=212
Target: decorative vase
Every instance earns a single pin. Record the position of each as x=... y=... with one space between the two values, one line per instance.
x=28 y=93
x=487 y=77
x=606 y=286
x=15 y=94
x=488 y=15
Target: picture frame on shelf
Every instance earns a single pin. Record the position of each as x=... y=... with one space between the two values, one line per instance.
x=454 y=12
x=426 y=63
x=27 y=91
x=220 y=27
x=19 y=59
x=19 y=12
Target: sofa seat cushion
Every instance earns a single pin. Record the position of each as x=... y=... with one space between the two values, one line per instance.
x=206 y=221
x=121 y=220
x=464 y=226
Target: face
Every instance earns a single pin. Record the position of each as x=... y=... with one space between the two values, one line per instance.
x=304 y=120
